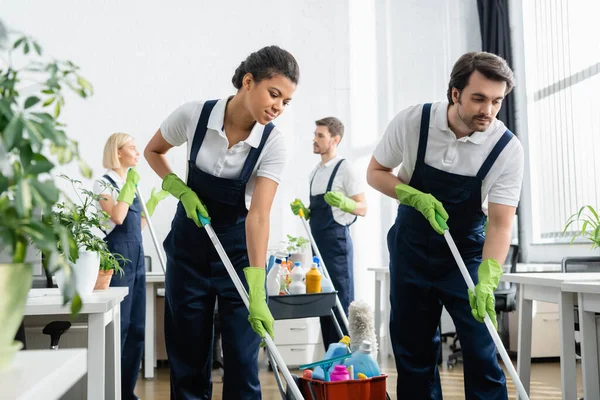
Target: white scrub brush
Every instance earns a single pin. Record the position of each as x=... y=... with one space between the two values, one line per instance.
x=362 y=326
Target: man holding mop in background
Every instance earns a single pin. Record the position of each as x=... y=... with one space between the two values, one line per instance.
x=336 y=198
x=453 y=156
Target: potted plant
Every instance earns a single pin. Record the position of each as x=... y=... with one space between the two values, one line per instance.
x=32 y=142
x=590 y=227
x=95 y=264
x=299 y=250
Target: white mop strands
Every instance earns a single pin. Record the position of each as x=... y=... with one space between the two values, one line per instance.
x=361 y=323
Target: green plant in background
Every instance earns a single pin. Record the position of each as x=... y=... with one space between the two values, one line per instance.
x=296 y=244
x=590 y=227
x=32 y=142
x=81 y=219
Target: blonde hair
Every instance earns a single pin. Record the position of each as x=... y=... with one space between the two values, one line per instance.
x=110 y=160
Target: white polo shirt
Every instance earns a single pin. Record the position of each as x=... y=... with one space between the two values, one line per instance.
x=102 y=185
x=464 y=156
x=214 y=157
x=346 y=181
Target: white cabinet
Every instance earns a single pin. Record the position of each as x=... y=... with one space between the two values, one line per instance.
x=545 y=330
x=299 y=341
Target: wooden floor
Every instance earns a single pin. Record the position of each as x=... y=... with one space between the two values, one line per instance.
x=545 y=383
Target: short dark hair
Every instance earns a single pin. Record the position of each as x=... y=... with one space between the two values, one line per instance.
x=490 y=65
x=333 y=124
x=265 y=63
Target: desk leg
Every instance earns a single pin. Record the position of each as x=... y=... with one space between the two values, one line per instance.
x=378 y=311
x=96 y=357
x=589 y=351
x=113 y=351
x=386 y=314
x=149 y=339
x=567 y=345
x=525 y=308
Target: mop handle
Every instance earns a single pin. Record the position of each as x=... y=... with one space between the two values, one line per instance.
x=488 y=322
x=338 y=304
x=152 y=233
x=244 y=295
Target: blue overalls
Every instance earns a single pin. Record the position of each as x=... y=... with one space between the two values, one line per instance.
x=196 y=277
x=424 y=277
x=335 y=245
x=126 y=239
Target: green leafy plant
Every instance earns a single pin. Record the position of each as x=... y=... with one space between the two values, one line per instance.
x=81 y=219
x=590 y=227
x=296 y=244
x=32 y=142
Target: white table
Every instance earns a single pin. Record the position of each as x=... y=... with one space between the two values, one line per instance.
x=150 y=334
x=588 y=298
x=547 y=287
x=43 y=374
x=382 y=312
x=104 y=334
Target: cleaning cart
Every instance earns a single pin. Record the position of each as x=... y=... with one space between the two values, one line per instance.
x=295 y=306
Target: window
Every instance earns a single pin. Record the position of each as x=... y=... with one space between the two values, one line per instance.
x=561 y=66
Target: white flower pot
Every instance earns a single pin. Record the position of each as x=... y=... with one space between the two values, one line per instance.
x=304 y=257
x=85 y=271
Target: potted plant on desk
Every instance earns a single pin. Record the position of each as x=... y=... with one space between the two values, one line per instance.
x=590 y=227
x=32 y=142
x=94 y=264
x=299 y=248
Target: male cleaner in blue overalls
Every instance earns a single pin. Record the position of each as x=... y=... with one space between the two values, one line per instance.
x=453 y=157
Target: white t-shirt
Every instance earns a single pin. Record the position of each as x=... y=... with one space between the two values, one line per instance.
x=214 y=157
x=103 y=185
x=346 y=181
x=400 y=143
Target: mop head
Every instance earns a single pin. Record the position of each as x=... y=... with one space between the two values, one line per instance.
x=361 y=322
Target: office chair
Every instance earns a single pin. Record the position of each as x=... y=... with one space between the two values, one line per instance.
x=54 y=329
x=506 y=301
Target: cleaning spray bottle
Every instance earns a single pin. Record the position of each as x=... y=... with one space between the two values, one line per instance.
x=273 y=281
x=313 y=280
x=363 y=362
x=297 y=286
x=335 y=350
x=326 y=285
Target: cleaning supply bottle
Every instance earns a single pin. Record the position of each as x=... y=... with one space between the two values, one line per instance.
x=326 y=285
x=273 y=281
x=363 y=362
x=335 y=350
x=313 y=280
x=284 y=274
x=339 y=373
x=297 y=286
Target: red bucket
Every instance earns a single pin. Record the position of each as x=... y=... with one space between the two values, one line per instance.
x=361 y=389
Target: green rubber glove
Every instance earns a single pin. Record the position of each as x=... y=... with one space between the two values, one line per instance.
x=337 y=199
x=425 y=203
x=298 y=206
x=191 y=203
x=155 y=198
x=260 y=317
x=483 y=300
x=127 y=192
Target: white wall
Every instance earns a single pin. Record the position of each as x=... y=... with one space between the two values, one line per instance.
x=361 y=61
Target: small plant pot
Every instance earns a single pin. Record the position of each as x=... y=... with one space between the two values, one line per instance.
x=103 y=280
x=85 y=271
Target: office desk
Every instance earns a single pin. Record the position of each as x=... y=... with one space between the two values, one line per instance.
x=43 y=374
x=547 y=287
x=150 y=334
x=588 y=298
x=104 y=334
